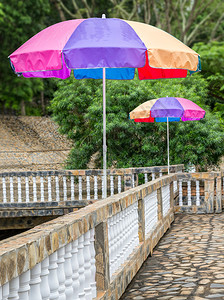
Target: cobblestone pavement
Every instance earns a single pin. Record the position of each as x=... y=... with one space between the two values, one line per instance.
x=188 y=262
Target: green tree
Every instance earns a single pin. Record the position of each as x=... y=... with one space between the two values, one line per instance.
x=77 y=107
x=19 y=20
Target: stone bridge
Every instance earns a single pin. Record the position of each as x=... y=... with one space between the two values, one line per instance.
x=95 y=252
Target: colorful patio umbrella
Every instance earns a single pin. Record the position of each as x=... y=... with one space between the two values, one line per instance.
x=168 y=109
x=102 y=48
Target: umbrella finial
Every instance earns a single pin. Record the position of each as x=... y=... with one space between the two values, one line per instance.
x=103 y=16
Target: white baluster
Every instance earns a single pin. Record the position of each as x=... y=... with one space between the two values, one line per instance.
x=180 y=193
x=80 y=187
x=160 y=174
x=24 y=285
x=95 y=188
x=88 y=187
x=75 y=270
x=19 y=189
x=72 y=188
x=68 y=272
x=119 y=184
x=4 y=189
x=11 y=189
x=0 y=292
x=93 y=263
x=189 y=193
x=27 y=189
x=87 y=266
x=153 y=176
x=109 y=243
x=41 y=188
x=61 y=273
x=49 y=188
x=81 y=267
x=13 y=289
x=53 y=276
x=111 y=185
x=34 y=189
x=197 y=193
x=122 y=236
x=65 y=188
x=133 y=180
x=35 y=281
x=44 y=285
x=118 y=241
x=146 y=177
x=57 y=190
x=5 y=291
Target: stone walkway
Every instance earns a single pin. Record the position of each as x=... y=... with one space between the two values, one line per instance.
x=187 y=264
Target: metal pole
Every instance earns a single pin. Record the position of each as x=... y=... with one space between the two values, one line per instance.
x=168 y=147
x=104 y=138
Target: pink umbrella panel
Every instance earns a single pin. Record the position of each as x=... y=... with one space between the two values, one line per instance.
x=168 y=109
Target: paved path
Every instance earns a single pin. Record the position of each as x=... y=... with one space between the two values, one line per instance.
x=188 y=263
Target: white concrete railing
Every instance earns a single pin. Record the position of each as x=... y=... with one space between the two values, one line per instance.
x=48 y=186
x=151 y=211
x=55 y=265
x=68 y=273
x=165 y=199
x=193 y=191
x=122 y=236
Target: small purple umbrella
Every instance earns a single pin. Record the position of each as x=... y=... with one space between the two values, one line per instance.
x=168 y=109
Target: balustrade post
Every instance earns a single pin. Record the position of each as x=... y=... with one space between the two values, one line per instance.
x=41 y=188
x=75 y=270
x=13 y=289
x=81 y=267
x=24 y=285
x=61 y=273
x=57 y=188
x=65 y=188
x=68 y=272
x=111 y=185
x=87 y=266
x=5 y=291
x=49 y=188
x=11 y=189
x=189 y=193
x=35 y=293
x=146 y=177
x=19 y=189
x=4 y=189
x=72 y=188
x=93 y=263
x=197 y=193
x=80 y=187
x=218 y=206
x=95 y=188
x=53 y=276
x=172 y=195
x=44 y=285
x=27 y=189
x=87 y=188
x=153 y=176
x=119 y=184
x=34 y=189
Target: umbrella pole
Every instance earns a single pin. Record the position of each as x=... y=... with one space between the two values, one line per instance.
x=168 y=147
x=104 y=192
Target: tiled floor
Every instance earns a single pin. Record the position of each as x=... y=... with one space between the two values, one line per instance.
x=187 y=264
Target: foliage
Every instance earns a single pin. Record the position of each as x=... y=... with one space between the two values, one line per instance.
x=212 y=57
x=19 y=20
x=77 y=107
